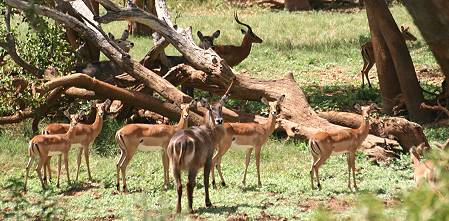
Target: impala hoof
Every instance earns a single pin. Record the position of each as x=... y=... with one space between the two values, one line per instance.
x=223 y=183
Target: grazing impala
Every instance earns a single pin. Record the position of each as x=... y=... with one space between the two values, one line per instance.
x=85 y=135
x=145 y=137
x=368 y=54
x=422 y=171
x=45 y=146
x=193 y=148
x=232 y=54
x=247 y=136
x=323 y=144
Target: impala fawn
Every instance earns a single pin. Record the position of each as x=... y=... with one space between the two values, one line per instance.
x=368 y=54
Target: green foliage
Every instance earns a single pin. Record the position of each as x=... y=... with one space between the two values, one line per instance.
x=18 y=206
x=437 y=134
x=105 y=144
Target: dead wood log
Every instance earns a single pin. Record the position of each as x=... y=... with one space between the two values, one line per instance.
x=109 y=91
x=127 y=64
x=407 y=133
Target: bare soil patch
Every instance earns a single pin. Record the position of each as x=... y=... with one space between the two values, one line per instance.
x=333 y=204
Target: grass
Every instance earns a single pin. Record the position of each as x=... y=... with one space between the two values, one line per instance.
x=284 y=194
x=320 y=48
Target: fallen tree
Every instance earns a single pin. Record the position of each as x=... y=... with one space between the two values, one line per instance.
x=205 y=70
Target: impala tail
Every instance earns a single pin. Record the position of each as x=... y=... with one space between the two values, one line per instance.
x=314 y=147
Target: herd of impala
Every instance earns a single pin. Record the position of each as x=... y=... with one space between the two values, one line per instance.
x=185 y=148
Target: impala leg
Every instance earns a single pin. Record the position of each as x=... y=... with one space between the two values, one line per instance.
x=78 y=162
x=59 y=169
x=165 y=163
x=123 y=169
x=370 y=65
x=66 y=165
x=317 y=165
x=312 y=171
x=119 y=163
x=207 y=167
x=247 y=160
x=190 y=186
x=219 y=172
x=86 y=157
x=258 y=149
x=39 y=172
x=365 y=64
x=352 y=160
x=177 y=176
x=213 y=165
x=30 y=163
x=348 y=158
x=49 y=168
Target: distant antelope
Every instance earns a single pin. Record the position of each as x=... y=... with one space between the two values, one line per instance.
x=232 y=54
x=247 y=136
x=107 y=70
x=84 y=136
x=422 y=171
x=191 y=149
x=368 y=54
x=323 y=144
x=207 y=41
x=45 y=146
x=145 y=137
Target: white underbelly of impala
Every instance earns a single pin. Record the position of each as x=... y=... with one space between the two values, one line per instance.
x=236 y=146
x=54 y=153
x=142 y=147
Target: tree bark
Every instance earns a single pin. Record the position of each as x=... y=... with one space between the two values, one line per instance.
x=386 y=72
x=402 y=61
x=432 y=19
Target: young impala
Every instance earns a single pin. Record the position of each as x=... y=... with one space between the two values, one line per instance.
x=85 y=135
x=232 y=54
x=368 y=54
x=247 y=136
x=193 y=148
x=45 y=146
x=323 y=144
x=422 y=171
x=146 y=137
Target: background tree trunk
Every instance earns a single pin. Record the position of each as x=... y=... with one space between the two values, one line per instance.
x=402 y=61
x=432 y=19
x=386 y=73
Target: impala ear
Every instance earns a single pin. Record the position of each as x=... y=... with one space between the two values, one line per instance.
x=281 y=98
x=243 y=31
x=204 y=103
x=402 y=28
x=125 y=35
x=111 y=36
x=357 y=107
x=216 y=34
x=200 y=35
x=265 y=101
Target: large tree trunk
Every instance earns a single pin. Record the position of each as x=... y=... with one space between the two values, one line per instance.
x=402 y=61
x=386 y=73
x=432 y=19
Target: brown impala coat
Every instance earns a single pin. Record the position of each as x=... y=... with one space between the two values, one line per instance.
x=85 y=135
x=146 y=137
x=233 y=54
x=422 y=171
x=45 y=146
x=247 y=136
x=323 y=144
